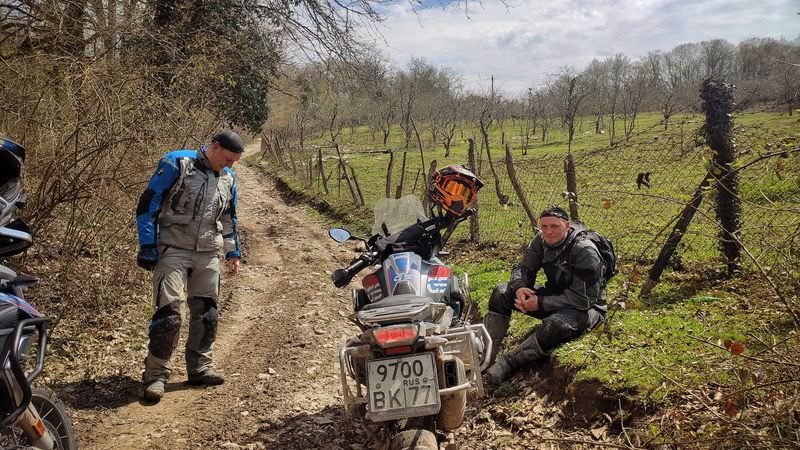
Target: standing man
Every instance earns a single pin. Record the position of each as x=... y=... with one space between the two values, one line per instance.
x=185 y=218
x=571 y=303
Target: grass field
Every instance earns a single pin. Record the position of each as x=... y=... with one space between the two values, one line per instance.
x=673 y=335
x=608 y=195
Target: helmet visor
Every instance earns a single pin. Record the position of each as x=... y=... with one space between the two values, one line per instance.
x=458 y=195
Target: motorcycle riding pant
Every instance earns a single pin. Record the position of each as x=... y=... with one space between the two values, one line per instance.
x=557 y=327
x=177 y=273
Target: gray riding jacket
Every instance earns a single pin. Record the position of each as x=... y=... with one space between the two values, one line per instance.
x=189 y=206
x=574 y=271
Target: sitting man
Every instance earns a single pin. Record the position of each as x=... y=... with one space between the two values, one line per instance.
x=571 y=303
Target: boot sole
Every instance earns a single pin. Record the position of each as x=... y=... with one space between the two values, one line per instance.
x=201 y=382
x=152 y=397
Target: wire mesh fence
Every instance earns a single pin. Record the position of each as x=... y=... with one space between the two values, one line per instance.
x=633 y=191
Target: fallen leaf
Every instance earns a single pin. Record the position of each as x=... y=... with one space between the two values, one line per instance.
x=730 y=408
x=598 y=433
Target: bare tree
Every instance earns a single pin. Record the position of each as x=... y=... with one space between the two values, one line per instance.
x=618 y=68
x=485 y=121
x=666 y=82
x=597 y=82
x=718 y=56
x=637 y=86
x=570 y=91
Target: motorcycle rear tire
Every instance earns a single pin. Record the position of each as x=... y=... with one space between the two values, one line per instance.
x=417 y=439
x=54 y=415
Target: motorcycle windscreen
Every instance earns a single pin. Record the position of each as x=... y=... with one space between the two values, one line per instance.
x=397 y=214
x=402 y=272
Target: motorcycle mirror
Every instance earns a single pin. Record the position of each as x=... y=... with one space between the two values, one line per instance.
x=339 y=235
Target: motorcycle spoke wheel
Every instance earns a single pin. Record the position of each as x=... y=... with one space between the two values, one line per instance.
x=54 y=415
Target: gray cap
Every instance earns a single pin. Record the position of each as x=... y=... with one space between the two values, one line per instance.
x=230 y=140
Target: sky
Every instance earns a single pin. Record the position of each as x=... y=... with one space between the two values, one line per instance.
x=520 y=42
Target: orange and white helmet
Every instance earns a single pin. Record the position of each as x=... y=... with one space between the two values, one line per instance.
x=454 y=188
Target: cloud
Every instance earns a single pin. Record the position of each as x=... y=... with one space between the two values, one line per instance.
x=523 y=42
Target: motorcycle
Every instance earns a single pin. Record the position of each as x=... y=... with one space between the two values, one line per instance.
x=30 y=417
x=417 y=361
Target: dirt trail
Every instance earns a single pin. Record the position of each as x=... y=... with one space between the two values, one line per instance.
x=282 y=323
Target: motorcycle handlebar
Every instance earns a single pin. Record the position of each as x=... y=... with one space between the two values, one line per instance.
x=342 y=277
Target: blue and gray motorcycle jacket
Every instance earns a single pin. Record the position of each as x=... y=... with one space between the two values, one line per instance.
x=189 y=206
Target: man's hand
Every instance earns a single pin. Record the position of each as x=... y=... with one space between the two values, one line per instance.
x=147 y=257
x=526 y=300
x=232 y=265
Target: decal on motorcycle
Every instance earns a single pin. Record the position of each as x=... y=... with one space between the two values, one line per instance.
x=372 y=286
x=20 y=303
x=402 y=273
x=438 y=278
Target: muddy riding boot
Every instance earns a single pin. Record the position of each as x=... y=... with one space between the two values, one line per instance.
x=524 y=354
x=497 y=326
x=208 y=377
x=154 y=391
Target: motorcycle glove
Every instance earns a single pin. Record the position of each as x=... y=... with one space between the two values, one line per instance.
x=147 y=257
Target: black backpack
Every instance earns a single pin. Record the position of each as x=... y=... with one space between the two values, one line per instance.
x=604 y=247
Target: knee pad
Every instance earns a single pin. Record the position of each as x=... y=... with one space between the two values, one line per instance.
x=501 y=300
x=552 y=332
x=205 y=310
x=164 y=330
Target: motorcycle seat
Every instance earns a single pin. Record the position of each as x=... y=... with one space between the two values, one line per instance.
x=398 y=300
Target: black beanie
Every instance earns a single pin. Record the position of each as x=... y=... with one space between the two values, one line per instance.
x=229 y=140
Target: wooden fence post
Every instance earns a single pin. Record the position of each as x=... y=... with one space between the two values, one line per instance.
x=264 y=144
x=402 y=175
x=426 y=200
x=512 y=175
x=291 y=158
x=322 y=171
x=389 y=175
x=671 y=244
x=572 y=187
x=358 y=187
x=474 y=226
x=343 y=167
x=718 y=105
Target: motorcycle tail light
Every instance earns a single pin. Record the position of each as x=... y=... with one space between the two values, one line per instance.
x=395 y=336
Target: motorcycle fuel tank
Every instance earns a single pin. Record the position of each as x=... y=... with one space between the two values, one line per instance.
x=407 y=273
x=402 y=272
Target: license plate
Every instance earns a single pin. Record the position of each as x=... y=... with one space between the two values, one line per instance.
x=403 y=387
